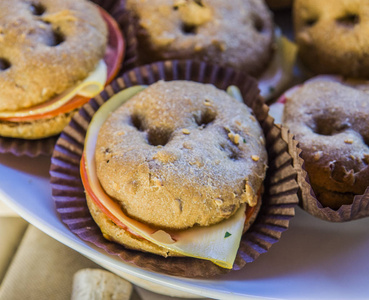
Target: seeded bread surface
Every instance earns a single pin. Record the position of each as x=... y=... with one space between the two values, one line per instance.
x=332 y=36
x=237 y=33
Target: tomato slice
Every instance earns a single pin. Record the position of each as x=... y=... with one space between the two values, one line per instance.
x=113 y=59
x=95 y=199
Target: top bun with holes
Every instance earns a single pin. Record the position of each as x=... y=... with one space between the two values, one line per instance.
x=46 y=47
x=332 y=36
x=194 y=165
x=237 y=33
x=330 y=121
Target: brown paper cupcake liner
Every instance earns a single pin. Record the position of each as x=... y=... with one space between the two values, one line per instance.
x=311 y=204
x=116 y=8
x=279 y=199
x=32 y=148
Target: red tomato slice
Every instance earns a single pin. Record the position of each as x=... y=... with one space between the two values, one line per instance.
x=113 y=58
x=96 y=200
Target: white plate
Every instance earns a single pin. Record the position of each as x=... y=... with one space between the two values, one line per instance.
x=313 y=260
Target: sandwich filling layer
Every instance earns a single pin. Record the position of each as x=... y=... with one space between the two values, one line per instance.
x=89 y=87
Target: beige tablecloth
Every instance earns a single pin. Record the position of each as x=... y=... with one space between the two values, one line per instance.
x=34 y=266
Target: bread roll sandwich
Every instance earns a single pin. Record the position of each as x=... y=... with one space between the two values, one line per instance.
x=53 y=58
x=328 y=116
x=175 y=169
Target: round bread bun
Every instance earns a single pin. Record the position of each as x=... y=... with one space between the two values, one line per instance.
x=238 y=33
x=332 y=36
x=36 y=129
x=181 y=154
x=47 y=46
x=330 y=121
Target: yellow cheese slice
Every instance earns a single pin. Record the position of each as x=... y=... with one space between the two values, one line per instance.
x=280 y=71
x=89 y=88
x=218 y=243
x=235 y=93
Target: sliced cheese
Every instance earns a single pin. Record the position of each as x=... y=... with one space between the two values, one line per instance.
x=88 y=88
x=218 y=243
x=280 y=71
x=235 y=92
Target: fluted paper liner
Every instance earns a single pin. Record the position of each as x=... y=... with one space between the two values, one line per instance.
x=311 y=204
x=281 y=186
x=45 y=146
